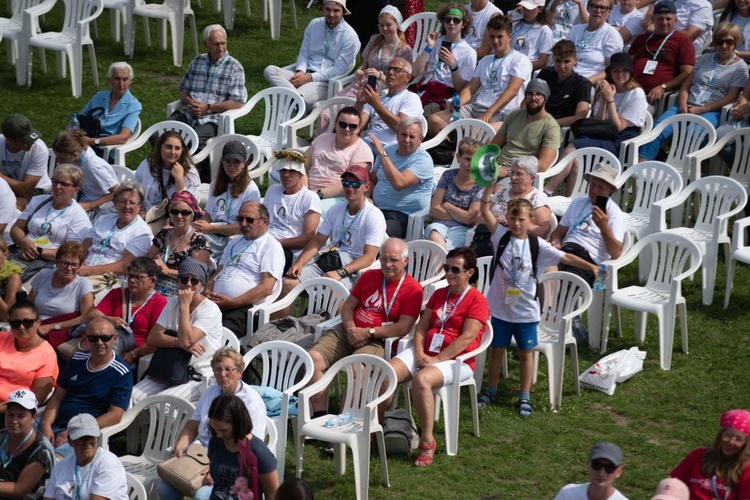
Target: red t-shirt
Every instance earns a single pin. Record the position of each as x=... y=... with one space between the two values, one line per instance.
x=472 y=306
x=677 y=51
x=689 y=472
x=368 y=290
x=145 y=316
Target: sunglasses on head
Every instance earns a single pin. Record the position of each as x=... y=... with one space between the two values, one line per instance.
x=452 y=20
x=350 y=126
x=15 y=324
x=184 y=213
x=96 y=338
x=355 y=184
x=189 y=279
x=609 y=468
x=453 y=269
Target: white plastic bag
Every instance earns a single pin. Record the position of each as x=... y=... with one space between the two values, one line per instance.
x=616 y=367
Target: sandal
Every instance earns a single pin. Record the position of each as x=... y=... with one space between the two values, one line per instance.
x=423 y=457
x=524 y=408
x=486 y=399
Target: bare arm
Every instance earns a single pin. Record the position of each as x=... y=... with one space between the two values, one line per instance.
x=436 y=205
x=112 y=417
x=471 y=329
x=27 y=479
x=582 y=111
x=269 y=482
x=310 y=224
x=252 y=296
x=50 y=413
x=545 y=159
x=119 y=267
x=541 y=222
x=692 y=32
x=24 y=187
x=485 y=209
x=187 y=436
x=466 y=217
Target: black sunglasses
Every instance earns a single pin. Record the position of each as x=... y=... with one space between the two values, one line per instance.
x=15 y=324
x=452 y=269
x=350 y=126
x=452 y=20
x=609 y=468
x=248 y=220
x=96 y=338
x=184 y=213
x=192 y=280
x=355 y=184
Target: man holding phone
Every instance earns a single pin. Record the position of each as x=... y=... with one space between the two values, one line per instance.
x=593 y=227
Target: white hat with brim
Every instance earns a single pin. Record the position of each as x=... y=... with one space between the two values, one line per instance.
x=605 y=172
x=23 y=397
x=531 y=4
x=340 y=2
x=284 y=161
x=83 y=425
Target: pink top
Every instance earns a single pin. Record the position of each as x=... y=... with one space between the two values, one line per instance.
x=22 y=369
x=328 y=163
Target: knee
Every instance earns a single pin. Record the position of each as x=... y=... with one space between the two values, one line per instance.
x=525 y=355
x=318 y=362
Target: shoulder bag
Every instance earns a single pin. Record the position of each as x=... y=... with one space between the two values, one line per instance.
x=185 y=473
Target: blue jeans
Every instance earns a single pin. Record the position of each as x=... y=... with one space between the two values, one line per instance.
x=650 y=150
x=168 y=492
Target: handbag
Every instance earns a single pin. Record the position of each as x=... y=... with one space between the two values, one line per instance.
x=171 y=365
x=185 y=473
x=248 y=470
x=329 y=261
x=594 y=128
x=90 y=123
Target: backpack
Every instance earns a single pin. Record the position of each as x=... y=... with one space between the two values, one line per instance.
x=504 y=240
x=400 y=433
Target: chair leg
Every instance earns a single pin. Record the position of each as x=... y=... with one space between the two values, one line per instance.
x=666 y=337
x=62 y=70
x=606 y=316
x=682 y=308
x=361 y=465
x=195 y=34
x=299 y=446
x=383 y=459
x=281 y=449
x=474 y=409
x=709 y=276
x=574 y=367
x=294 y=14
x=114 y=21
x=146 y=31
x=536 y=368
x=76 y=70
x=229 y=14
x=640 y=326
x=339 y=458
x=94 y=70
x=177 y=28
x=450 y=411
x=730 y=281
x=161 y=34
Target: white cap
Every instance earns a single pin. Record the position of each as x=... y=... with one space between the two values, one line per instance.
x=531 y=4
x=23 y=397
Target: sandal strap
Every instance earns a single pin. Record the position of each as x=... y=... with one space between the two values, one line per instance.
x=524 y=408
x=486 y=399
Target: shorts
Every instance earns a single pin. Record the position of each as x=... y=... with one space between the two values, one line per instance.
x=408 y=358
x=455 y=236
x=524 y=333
x=473 y=109
x=333 y=346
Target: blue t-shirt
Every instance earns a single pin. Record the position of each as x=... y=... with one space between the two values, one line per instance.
x=225 y=465
x=125 y=113
x=93 y=392
x=414 y=198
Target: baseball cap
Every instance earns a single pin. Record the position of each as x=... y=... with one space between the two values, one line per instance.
x=19 y=128
x=605 y=172
x=357 y=171
x=665 y=7
x=234 y=150
x=606 y=450
x=23 y=397
x=83 y=425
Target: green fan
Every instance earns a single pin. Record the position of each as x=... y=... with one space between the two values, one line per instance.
x=483 y=166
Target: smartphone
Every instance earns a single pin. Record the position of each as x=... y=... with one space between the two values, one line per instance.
x=601 y=202
x=446 y=44
x=372 y=82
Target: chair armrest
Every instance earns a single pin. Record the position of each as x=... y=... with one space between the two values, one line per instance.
x=172 y=107
x=738 y=232
x=415 y=225
x=337 y=84
x=725 y=113
x=551 y=172
x=326 y=325
x=127 y=418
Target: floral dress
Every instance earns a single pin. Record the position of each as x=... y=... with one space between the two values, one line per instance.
x=164 y=284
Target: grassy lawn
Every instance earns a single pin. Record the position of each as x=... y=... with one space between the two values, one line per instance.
x=657 y=417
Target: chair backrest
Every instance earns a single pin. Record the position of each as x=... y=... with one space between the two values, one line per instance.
x=426 y=259
x=167 y=417
x=466 y=127
x=718 y=196
x=51 y=162
x=280 y=105
x=323 y=294
x=672 y=257
x=740 y=169
x=136 y=490
x=189 y=137
x=424 y=23
x=333 y=106
x=650 y=181
x=588 y=158
x=285 y=365
x=80 y=10
x=214 y=146
x=369 y=380
x=563 y=296
x=229 y=339
x=689 y=134
x=123 y=173
x=483 y=274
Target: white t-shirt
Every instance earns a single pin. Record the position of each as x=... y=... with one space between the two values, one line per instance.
x=243 y=262
x=253 y=402
x=582 y=230
x=580 y=492
x=466 y=59
x=594 y=49
x=32 y=162
x=631 y=106
x=98 y=176
x=287 y=211
x=494 y=75
x=532 y=39
x=566 y=15
x=479 y=21
x=698 y=13
x=151 y=184
x=527 y=308
x=51 y=228
x=327 y=163
x=632 y=21
x=207 y=318
x=108 y=243
x=223 y=209
x=405 y=102
x=743 y=23
x=352 y=232
x=105 y=476
x=8 y=213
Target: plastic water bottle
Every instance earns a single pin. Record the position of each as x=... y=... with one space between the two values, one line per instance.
x=456 y=105
x=338 y=420
x=74 y=124
x=600 y=283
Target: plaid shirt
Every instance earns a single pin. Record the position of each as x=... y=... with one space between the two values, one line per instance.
x=222 y=80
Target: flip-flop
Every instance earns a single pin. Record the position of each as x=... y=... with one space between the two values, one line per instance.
x=424 y=457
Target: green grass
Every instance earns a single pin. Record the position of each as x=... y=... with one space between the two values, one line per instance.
x=656 y=417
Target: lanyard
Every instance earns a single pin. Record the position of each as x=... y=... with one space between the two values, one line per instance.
x=234 y=262
x=444 y=309
x=131 y=313
x=516 y=263
x=715 y=490
x=382 y=63
x=7 y=459
x=47 y=223
x=517 y=32
x=327 y=43
x=343 y=231
x=212 y=75
x=716 y=66
x=86 y=474
x=387 y=308
x=387 y=98
x=169 y=250
x=228 y=204
x=566 y=15
x=80 y=160
x=581 y=217
x=655 y=55
x=584 y=42
x=106 y=241
x=495 y=68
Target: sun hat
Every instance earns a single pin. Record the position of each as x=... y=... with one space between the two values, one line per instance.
x=289 y=159
x=605 y=172
x=340 y=2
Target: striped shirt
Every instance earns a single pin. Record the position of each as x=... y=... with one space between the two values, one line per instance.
x=712 y=81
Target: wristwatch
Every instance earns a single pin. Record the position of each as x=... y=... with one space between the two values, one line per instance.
x=97 y=141
x=39 y=249
x=371 y=331
x=58 y=326
x=385 y=154
x=664 y=87
x=343 y=273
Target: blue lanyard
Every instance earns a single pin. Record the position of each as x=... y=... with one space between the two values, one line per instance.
x=234 y=262
x=5 y=459
x=517 y=32
x=48 y=223
x=655 y=55
x=516 y=263
x=715 y=489
x=387 y=308
x=343 y=231
x=495 y=67
x=445 y=314
x=86 y=474
x=169 y=251
x=584 y=42
x=212 y=75
x=106 y=241
x=716 y=66
x=131 y=314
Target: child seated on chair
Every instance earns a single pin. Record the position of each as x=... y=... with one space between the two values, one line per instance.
x=513 y=292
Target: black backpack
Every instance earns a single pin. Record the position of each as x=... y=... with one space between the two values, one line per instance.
x=504 y=240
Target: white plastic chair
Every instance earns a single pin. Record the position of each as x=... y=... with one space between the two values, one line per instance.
x=282 y=107
x=212 y=150
x=740 y=253
x=587 y=159
x=11 y=29
x=647 y=126
x=167 y=416
x=333 y=105
x=716 y=199
x=287 y=368
x=106 y=150
x=228 y=6
x=691 y=133
x=369 y=381
x=124 y=174
x=189 y=136
x=173 y=12
x=136 y=490
x=272 y=14
x=426 y=259
x=450 y=395
x=120 y=17
x=425 y=22
x=672 y=258
x=739 y=170
x=463 y=128
x=70 y=41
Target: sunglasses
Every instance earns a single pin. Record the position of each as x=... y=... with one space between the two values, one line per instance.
x=64 y=184
x=247 y=220
x=15 y=324
x=452 y=269
x=188 y=279
x=452 y=20
x=350 y=126
x=96 y=338
x=184 y=213
x=726 y=41
x=355 y=184
x=596 y=6
x=609 y=468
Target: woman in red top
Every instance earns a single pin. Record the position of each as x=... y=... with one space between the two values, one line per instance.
x=720 y=471
x=452 y=323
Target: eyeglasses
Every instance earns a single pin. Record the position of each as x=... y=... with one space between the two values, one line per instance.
x=355 y=184
x=247 y=220
x=96 y=338
x=534 y=95
x=27 y=323
x=184 y=213
x=395 y=69
x=90 y=440
x=452 y=20
x=609 y=468
x=225 y=371
x=386 y=260
x=452 y=269
x=71 y=265
x=726 y=41
x=350 y=126
x=57 y=182
x=138 y=277
x=128 y=203
x=192 y=280
x=596 y=6
x=733 y=438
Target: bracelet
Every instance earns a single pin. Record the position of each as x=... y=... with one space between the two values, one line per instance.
x=427 y=48
x=208 y=109
x=487 y=202
x=343 y=273
x=455 y=68
x=610 y=102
